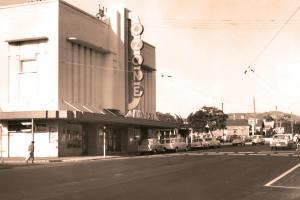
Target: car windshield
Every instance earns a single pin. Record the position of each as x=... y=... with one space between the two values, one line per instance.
x=166 y=141
x=197 y=140
x=147 y=142
x=236 y=137
x=279 y=137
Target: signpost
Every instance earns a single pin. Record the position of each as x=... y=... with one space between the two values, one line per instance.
x=2 y=161
x=104 y=142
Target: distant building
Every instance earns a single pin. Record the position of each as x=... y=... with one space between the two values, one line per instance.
x=238 y=127
x=268 y=126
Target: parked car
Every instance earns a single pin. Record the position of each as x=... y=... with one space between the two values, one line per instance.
x=213 y=142
x=257 y=139
x=175 y=144
x=198 y=143
x=150 y=145
x=221 y=139
x=282 y=141
x=237 y=140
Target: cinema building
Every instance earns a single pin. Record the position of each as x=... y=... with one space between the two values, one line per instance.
x=74 y=83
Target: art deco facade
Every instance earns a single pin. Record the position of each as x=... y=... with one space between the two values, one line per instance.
x=76 y=78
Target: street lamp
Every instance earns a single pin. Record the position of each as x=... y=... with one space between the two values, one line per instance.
x=104 y=142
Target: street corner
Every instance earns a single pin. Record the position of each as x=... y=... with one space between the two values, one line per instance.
x=290 y=179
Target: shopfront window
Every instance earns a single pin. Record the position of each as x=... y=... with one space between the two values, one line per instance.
x=135 y=136
x=72 y=136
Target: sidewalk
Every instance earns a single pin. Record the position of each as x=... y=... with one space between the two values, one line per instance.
x=17 y=161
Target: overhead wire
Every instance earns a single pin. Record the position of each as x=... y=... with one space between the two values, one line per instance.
x=274 y=36
x=202 y=94
x=251 y=68
x=214 y=24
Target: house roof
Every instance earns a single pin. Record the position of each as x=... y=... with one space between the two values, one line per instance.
x=237 y=122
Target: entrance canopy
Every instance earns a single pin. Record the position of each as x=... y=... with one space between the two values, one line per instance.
x=86 y=117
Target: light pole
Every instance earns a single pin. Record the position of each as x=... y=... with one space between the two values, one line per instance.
x=2 y=161
x=104 y=141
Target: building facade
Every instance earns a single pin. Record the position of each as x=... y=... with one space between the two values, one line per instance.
x=237 y=127
x=74 y=83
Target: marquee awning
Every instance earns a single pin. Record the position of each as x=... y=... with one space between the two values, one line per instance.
x=85 y=117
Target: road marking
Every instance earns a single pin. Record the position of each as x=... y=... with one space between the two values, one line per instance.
x=235 y=154
x=285 y=187
x=196 y=154
x=214 y=154
x=281 y=176
x=286 y=155
x=260 y=154
x=246 y=152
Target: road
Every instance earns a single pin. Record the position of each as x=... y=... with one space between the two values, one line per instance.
x=225 y=173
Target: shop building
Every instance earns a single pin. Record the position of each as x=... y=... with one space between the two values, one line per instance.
x=73 y=82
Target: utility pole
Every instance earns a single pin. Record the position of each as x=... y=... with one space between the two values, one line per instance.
x=254 y=122
x=254 y=108
x=292 y=123
x=32 y=129
x=2 y=161
x=104 y=141
x=276 y=123
x=223 y=128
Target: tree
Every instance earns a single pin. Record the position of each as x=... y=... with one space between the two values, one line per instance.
x=167 y=117
x=207 y=117
x=268 y=118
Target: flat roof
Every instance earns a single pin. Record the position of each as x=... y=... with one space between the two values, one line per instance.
x=12 y=5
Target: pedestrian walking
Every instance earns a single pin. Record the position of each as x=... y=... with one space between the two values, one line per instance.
x=30 y=153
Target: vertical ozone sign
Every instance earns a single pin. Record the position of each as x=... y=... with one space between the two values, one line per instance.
x=136 y=45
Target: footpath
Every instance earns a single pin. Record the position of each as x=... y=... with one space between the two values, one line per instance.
x=6 y=163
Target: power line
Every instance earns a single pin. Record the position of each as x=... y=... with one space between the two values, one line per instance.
x=202 y=95
x=274 y=37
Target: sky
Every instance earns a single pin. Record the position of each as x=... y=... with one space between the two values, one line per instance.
x=205 y=46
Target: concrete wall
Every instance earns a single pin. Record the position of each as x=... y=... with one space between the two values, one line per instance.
x=91 y=78
x=20 y=26
x=148 y=53
x=15 y=143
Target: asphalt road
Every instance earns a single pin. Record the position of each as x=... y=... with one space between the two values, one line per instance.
x=226 y=173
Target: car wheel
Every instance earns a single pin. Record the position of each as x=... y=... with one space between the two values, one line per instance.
x=176 y=149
